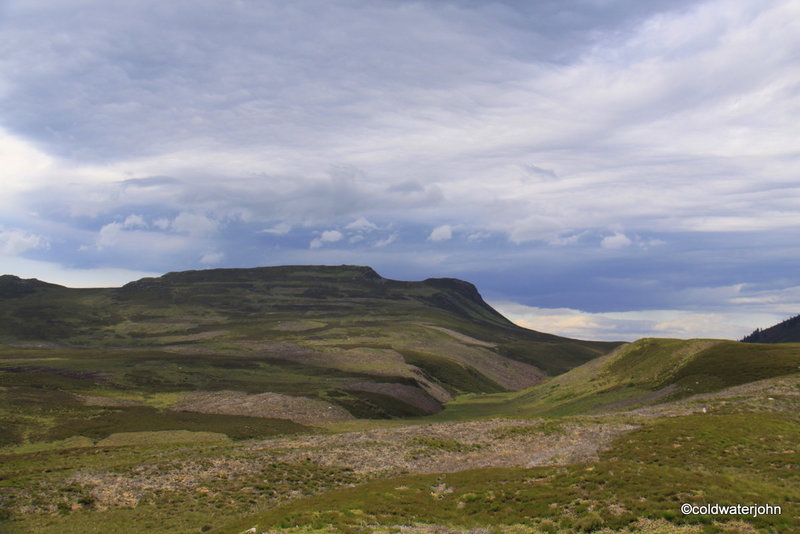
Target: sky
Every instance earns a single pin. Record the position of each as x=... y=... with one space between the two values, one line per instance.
x=599 y=169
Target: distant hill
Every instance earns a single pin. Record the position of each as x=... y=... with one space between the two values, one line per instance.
x=787 y=331
x=304 y=343
x=14 y=286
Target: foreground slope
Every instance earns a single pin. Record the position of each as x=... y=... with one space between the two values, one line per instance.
x=253 y=352
x=596 y=467
x=629 y=438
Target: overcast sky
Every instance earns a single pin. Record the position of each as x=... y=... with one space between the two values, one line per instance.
x=599 y=169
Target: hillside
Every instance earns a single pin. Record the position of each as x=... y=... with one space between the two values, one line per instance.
x=646 y=372
x=787 y=331
x=626 y=440
x=238 y=401
x=310 y=345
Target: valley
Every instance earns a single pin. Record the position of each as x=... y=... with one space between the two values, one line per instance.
x=330 y=399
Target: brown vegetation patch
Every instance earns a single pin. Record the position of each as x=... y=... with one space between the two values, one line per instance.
x=97 y=377
x=364 y=359
x=299 y=326
x=780 y=394
x=648 y=398
x=410 y=395
x=192 y=337
x=509 y=373
x=100 y=400
x=272 y=405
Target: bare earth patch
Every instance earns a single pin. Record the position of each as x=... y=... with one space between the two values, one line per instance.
x=459 y=336
x=433 y=448
x=509 y=373
x=448 y=447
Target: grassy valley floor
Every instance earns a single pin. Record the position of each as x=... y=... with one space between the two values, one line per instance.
x=624 y=471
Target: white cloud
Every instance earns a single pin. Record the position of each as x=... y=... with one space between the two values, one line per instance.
x=278 y=229
x=564 y=240
x=134 y=221
x=441 y=233
x=331 y=236
x=24 y=167
x=632 y=325
x=362 y=225
x=194 y=224
x=212 y=258
x=386 y=241
x=16 y=241
x=478 y=236
x=535 y=228
x=109 y=235
x=328 y=236
x=162 y=223
x=115 y=240
x=616 y=241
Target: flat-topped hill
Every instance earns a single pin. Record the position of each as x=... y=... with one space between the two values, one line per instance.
x=310 y=344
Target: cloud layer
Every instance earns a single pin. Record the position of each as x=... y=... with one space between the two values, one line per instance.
x=608 y=158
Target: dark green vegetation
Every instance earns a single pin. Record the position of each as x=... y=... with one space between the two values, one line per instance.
x=144 y=409
x=787 y=331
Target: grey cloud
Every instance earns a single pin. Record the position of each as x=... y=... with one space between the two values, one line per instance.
x=408 y=186
x=151 y=181
x=285 y=119
x=114 y=79
x=535 y=170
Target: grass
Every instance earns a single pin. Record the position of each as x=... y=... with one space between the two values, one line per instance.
x=101 y=423
x=160 y=437
x=629 y=376
x=724 y=457
x=161 y=502
x=648 y=473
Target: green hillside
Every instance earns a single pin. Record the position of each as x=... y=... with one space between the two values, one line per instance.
x=644 y=372
x=310 y=345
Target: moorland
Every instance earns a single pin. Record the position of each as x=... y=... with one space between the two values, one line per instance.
x=331 y=399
